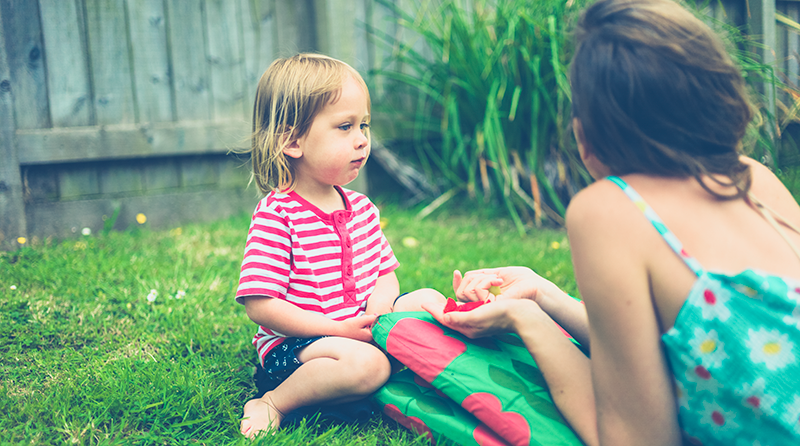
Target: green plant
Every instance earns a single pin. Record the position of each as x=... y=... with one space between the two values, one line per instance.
x=491 y=113
x=492 y=107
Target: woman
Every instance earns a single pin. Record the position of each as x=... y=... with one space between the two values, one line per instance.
x=678 y=354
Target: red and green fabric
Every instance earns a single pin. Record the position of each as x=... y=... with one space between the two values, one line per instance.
x=418 y=406
x=494 y=379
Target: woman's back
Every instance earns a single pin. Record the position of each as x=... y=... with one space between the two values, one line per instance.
x=721 y=344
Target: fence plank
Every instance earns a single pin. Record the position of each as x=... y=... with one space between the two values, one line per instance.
x=762 y=26
x=189 y=62
x=336 y=25
x=234 y=172
x=40 y=183
x=162 y=176
x=78 y=180
x=129 y=141
x=65 y=219
x=793 y=46
x=116 y=178
x=151 y=64
x=24 y=46
x=12 y=206
x=225 y=57
x=258 y=38
x=296 y=30
x=198 y=171
x=110 y=62
x=67 y=67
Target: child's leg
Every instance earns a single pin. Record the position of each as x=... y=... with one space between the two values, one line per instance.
x=413 y=301
x=334 y=370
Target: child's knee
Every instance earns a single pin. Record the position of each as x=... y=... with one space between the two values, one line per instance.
x=413 y=301
x=370 y=371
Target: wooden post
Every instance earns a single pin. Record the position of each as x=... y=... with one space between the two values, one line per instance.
x=12 y=205
x=337 y=24
x=762 y=28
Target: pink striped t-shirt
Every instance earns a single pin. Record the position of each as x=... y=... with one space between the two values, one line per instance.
x=324 y=263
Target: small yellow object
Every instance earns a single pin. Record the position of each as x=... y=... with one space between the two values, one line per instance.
x=410 y=242
x=494 y=289
x=141 y=218
x=384 y=222
x=772 y=348
x=555 y=245
x=708 y=346
x=21 y=240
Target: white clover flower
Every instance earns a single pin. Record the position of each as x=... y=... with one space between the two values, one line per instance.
x=755 y=398
x=180 y=294
x=708 y=348
x=713 y=304
x=771 y=347
x=13 y=287
x=86 y=231
x=152 y=296
x=718 y=419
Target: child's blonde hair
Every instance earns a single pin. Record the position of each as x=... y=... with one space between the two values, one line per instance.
x=290 y=94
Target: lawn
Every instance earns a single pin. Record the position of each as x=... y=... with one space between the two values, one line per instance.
x=134 y=337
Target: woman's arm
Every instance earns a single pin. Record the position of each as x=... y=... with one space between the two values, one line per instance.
x=564 y=367
x=290 y=320
x=516 y=282
x=632 y=384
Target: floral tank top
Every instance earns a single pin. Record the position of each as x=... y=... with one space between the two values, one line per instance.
x=734 y=351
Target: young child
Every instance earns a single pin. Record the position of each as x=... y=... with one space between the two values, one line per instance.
x=317 y=270
x=685 y=254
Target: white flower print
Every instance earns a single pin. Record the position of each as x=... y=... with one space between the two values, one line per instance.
x=794 y=319
x=700 y=376
x=713 y=304
x=791 y=414
x=707 y=347
x=756 y=399
x=719 y=420
x=770 y=347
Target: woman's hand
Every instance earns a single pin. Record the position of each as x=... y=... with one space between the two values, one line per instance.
x=492 y=318
x=515 y=282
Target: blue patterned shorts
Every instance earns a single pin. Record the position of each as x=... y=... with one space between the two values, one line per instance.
x=282 y=361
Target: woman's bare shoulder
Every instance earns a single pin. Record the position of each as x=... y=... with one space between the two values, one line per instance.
x=769 y=189
x=599 y=202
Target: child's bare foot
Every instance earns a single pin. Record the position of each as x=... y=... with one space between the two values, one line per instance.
x=260 y=415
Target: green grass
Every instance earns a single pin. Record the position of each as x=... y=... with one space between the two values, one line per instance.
x=86 y=359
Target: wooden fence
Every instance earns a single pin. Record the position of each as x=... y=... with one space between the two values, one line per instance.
x=112 y=108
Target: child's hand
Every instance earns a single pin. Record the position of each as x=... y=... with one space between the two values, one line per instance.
x=358 y=328
x=514 y=282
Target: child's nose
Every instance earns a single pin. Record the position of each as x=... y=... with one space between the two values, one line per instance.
x=361 y=141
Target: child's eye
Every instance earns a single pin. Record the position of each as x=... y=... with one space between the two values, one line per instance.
x=364 y=126
x=345 y=127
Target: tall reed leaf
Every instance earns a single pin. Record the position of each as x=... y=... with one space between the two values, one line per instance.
x=492 y=99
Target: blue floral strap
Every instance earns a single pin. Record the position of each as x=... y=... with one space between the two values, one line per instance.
x=651 y=215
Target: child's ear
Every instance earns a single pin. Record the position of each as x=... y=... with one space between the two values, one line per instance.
x=292 y=149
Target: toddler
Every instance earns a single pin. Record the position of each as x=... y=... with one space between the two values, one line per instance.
x=317 y=270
